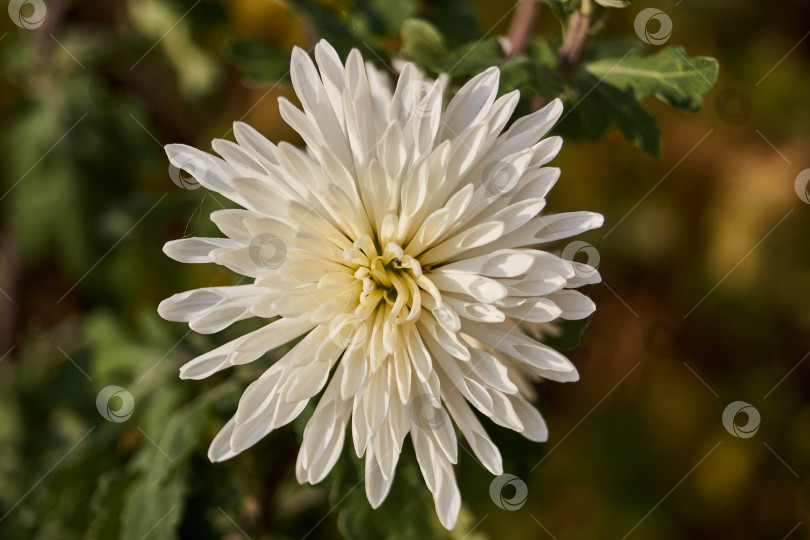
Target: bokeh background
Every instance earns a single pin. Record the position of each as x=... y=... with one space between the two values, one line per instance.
x=704 y=302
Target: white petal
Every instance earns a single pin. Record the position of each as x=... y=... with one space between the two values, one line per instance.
x=483 y=289
x=503 y=263
x=238 y=158
x=220 y=448
x=261 y=148
x=261 y=197
x=196 y=250
x=377 y=396
x=245 y=349
x=483 y=447
x=534 y=427
x=211 y=172
x=471 y=103
x=425 y=454
x=545 y=151
x=574 y=305
x=447 y=497
x=331 y=69
x=377 y=487
x=531 y=128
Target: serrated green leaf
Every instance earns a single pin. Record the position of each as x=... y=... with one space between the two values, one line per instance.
x=422 y=42
x=669 y=75
x=597 y=104
x=636 y=123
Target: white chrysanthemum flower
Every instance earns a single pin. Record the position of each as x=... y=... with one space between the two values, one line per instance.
x=402 y=247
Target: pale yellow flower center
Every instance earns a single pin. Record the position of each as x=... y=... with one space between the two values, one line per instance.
x=390 y=281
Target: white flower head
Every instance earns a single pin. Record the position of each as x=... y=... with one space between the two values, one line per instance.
x=402 y=246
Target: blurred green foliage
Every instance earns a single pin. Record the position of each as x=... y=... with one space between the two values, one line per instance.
x=88 y=99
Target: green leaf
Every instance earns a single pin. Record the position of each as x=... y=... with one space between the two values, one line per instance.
x=107 y=504
x=561 y=9
x=610 y=48
x=458 y=19
x=259 y=62
x=156 y=501
x=669 y=75
x=472 y=58
x=636 y=123
x=153 y=510
x=406 y=514
x=340 y=28
x=386 y=16
x=597 y=104
x=422 y=42
x=614 y=3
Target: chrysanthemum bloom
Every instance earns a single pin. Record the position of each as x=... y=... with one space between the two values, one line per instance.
x=402 y=246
